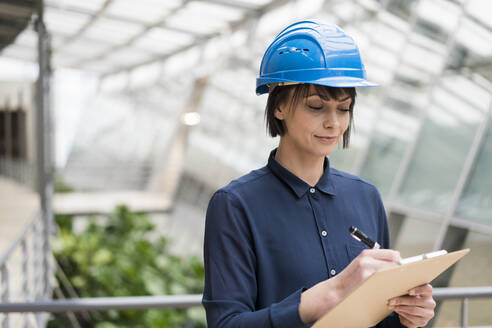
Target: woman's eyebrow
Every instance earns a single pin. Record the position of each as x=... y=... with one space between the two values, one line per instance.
x=319 y=95
x=343 y=99
x=328 y=98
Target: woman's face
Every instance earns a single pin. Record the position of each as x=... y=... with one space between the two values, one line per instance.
x=315 y=125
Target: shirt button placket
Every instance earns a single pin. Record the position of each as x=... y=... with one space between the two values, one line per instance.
x=314 y=195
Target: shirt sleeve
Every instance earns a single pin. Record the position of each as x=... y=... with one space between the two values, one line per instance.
x=231 y=288
x=391 y=321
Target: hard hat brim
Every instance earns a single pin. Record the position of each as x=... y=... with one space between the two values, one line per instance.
x=336 y=82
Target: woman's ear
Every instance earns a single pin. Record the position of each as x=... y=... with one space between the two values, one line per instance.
x=279 y=113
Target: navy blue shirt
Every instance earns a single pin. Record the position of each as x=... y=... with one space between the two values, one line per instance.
x=269 y=236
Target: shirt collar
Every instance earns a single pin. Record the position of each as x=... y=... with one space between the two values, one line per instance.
x=298 y=186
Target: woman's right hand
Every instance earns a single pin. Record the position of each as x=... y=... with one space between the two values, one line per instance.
x=322 y=297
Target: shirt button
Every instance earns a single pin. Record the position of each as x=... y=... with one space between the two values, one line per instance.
x=312 y=190
x=333 y=272
x=324 y=233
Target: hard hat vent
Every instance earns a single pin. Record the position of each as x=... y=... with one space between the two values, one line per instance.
x=281 y=52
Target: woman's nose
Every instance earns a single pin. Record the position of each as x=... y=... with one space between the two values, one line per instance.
x=331 y=119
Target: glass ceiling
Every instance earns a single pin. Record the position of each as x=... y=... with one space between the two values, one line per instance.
x=110 y=36
x=435 y=72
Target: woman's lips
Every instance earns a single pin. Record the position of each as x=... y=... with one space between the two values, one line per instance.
x=327 y=139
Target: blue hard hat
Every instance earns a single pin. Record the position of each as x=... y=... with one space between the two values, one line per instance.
x=312 y=52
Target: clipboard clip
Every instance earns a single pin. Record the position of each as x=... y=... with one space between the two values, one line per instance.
x=423 y=257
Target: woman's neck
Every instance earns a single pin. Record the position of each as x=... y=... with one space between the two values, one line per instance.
x=306 y=167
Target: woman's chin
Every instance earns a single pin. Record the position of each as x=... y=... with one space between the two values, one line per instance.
x=323 y=151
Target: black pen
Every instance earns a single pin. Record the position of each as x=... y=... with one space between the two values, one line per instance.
x=362 y=237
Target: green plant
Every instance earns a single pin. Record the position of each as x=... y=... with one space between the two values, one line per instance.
x=121 y=256
x=61 y=186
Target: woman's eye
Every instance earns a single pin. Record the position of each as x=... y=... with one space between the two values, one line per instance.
x=344 y=109
x=315 y=107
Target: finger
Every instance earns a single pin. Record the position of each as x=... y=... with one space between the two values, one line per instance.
x=411 y=321
x=424 y=290
x=414 y=311
x=407 y=323
x=368 y=265
x=388 y=255
x=425 y=302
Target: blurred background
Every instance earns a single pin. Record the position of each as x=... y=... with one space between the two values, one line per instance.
x=127 y=111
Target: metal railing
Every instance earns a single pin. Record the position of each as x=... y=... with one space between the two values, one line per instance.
x=463 y=293
x=105 y=303
x=187 y=301
x=18 y=170
x=22 y=270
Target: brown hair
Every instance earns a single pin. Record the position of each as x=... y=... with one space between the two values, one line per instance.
x=280 y=95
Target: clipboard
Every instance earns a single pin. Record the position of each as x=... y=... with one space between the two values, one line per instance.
x=370 y=298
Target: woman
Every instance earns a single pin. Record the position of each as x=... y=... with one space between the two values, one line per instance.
x=277 y=248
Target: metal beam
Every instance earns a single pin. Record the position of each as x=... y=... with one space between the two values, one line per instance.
x=17 y=8
x=113 y=17
x=454 y=241
x=396 y=221
x=479 y=22
x=470 y=161
x=182 y=301
x=464 y=313
x=234 y=4
x=44 y=142
x=435 y=217
x=146 y=26
x=480 y=65
x=87 y=25
x=233 y=27
x=168 y=168
x=411 y=149
x=136 y=37
x=198 y=43
x=105 y=303
x=462 y=292
x=363 y=156
x=481 y=228
x=422 y=214
x=21 y=3
x=14 y=22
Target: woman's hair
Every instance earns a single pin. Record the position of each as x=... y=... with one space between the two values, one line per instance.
x=280 y=95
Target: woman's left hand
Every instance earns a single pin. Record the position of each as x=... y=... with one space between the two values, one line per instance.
x=416 y=308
